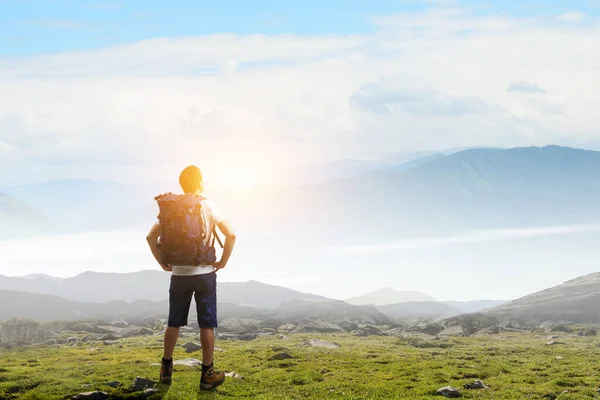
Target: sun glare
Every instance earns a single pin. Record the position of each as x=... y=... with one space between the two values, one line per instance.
x=237 y=177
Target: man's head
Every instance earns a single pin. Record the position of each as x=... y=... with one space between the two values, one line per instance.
x=190 y=180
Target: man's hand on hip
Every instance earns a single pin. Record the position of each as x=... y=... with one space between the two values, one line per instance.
x=218 y=265
x=167 y=267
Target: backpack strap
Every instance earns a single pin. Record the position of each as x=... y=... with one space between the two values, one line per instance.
x=216 y=236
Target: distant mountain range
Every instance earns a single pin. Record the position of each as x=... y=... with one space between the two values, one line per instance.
x=408 y=195
x=153 y=286
x=147 y=285
x=19 y=219
x=389 y=296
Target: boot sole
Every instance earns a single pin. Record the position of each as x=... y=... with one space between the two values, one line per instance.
x=210 y=386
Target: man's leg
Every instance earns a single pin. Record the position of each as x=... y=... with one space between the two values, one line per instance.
x=206 y=306
x=171 y=336
x=207 y=339
x=180 y=297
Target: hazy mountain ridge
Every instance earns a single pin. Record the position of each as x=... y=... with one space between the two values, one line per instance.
x=575 y=300
x=387 y=296
x=19 y=219
x=148 y=285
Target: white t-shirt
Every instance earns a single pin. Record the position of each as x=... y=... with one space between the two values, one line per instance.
x=213 y=215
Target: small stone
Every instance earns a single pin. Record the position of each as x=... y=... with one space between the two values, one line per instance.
x=142 y=384
x=560 y=358
x=280 y=356
x=233 y=375
x=324 y=371
x=114 y=384
x=188 y=362
x=91 y=396
x=192 y=347
x=110 y=342
x=476 y=385
x=150 y=392
x=448 y=391
x=553 y=343
x=321 y=343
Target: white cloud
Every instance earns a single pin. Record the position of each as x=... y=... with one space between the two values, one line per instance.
x=270 y=101
x=473 y=237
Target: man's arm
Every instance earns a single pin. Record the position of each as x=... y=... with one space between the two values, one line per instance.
x=225 y=227
x=152 y=239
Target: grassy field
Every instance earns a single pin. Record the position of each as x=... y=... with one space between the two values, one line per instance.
x=514 y=366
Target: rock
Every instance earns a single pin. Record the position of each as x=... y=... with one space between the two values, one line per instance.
x=50 y=342
x=453 y=331
x=551 y=337
x=368 y=330
x=237 y=336
x=188 y=362
x=91 y=396
x=191 y=347
x=287 y=328
x=119 y=323
x=448 y=391
x=110 y=342
x=560 y=358
x=492 y=330
x=476 y=385
x=560 y=328
x=321 y=343
x=349 y=326
x=553 y=343
x=318 y=327
x=150 y=392
x=109 y=336
x=137 y=331
x=324 y=371
x=280 y=356
x=239 y=325
x=114 y=384
x=233 y=375
x=432 y=329
x=71 y=341
x=92 y=337
x=142 y=384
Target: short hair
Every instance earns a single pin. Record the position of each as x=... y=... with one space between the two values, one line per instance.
x=190 y=179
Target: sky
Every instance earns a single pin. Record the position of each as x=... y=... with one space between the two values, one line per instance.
x=131 y=91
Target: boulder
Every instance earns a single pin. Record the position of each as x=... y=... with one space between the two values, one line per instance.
x=318 y=327
x=188 y=362
x=191 y=347
x=367 y=330
x=287 y=328
x=476 y=385
x=448 y=391
x=114 y=384
x=136 y=331
x=142 y=384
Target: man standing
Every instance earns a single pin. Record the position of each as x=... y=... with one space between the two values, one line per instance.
x=197 y=280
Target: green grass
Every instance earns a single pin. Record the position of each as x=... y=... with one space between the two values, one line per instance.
x=515 y=366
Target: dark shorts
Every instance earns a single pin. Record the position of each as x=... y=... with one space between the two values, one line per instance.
x=204 y=289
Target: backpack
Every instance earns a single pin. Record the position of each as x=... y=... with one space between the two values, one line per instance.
x=183 y=240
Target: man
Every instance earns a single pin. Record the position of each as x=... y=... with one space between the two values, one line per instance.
x=200 y=281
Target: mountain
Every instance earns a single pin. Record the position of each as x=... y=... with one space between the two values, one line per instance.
x=14 y=304
x=387 y=296
x=575 y=300
x=430 y=309
x=475 y=305
x=75 y=203
x=19 y=219
x=148 y=285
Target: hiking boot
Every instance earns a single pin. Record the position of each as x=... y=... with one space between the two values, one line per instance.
x=166 y=370
x=210 y=378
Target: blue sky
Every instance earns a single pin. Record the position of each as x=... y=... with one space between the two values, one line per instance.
x=34 y=26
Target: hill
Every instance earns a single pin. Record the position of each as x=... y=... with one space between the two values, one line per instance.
x=388 y=295
x=148 y=285
x=575 y=301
